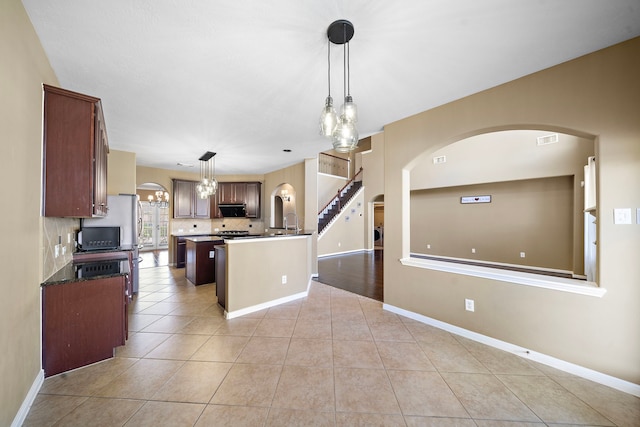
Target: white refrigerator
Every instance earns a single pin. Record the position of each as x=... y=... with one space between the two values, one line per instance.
x=123 y=211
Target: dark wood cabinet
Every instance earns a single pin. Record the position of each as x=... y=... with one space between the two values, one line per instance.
x=187 y=203
x=248 y=193
x=252 y=199
x=200 y=260
x=221 y=274
x=82 y=322
x=75 y=149
x=181 y=252
x=232 y=192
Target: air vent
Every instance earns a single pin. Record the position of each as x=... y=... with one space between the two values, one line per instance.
x=439 y=159
x=548 y=139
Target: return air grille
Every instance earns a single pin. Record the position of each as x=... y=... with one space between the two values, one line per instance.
x=548 y=139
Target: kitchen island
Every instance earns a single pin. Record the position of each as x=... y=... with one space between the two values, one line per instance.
x=267 y=270
x=200 y=260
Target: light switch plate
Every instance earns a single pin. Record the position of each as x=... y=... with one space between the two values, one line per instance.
x=622 y=216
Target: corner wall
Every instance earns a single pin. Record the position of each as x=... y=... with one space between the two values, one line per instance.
x=593 y=95
x=24 y=67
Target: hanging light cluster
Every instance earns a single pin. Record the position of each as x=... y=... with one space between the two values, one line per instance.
x=208 y=184
x=341 y=129
x=161 y=200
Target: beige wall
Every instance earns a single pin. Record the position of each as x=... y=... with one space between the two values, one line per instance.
x=24 y=67
x=373 y=181
x=509 y=156
x=596 y=95
x=346 y=233
x=121 y=172
x=293 y=175
x=534 y=216
x=271 y=258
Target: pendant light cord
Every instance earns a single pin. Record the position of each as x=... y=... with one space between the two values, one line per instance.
x=344 y=59
x=329 y=64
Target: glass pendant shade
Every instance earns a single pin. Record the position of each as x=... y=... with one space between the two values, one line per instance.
x=208 y=185
x=328 y=118
x=345 y=137
x=349 y=109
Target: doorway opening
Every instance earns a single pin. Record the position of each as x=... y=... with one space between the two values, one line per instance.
x=155 y=218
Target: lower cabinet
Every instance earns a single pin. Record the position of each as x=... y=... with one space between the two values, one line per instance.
x=181 y=252
x=200 y=264
x=221 y=274
x=82 y=322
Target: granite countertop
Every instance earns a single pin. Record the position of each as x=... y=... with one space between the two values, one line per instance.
x=205 y=238
x=77 y=271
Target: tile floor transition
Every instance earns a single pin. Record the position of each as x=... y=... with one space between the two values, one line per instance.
x=331 y=359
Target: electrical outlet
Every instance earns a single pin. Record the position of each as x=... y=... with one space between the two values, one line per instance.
x=284 y=279
x=212 y=254
x=522 y=254
x=469 y=305
x=428 y=246
x=56 y=251
x=473 y=250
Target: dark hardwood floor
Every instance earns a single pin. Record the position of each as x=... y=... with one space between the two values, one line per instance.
x=360 y=273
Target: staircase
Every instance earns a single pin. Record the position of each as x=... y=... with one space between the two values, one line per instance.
x=335 y=206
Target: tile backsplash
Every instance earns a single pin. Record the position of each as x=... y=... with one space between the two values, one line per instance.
x=59 y=232
x=206 y=226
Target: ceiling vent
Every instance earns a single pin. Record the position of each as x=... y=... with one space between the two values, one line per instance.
x=439 y=159
x=548 y=139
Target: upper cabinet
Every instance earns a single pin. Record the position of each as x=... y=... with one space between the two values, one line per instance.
x=247 y=193
x=75 y=149
x=232 y=192
x=252 y=199
x=186 y=203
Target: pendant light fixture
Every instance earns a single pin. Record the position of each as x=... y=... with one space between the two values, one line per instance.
x=208 y=184
x=342 y=130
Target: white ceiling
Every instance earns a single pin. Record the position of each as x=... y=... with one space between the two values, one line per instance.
x=247 y=79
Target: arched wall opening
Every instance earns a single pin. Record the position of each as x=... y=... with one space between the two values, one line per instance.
x=521 y=208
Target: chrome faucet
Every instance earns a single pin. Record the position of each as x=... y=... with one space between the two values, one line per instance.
x=285 y=220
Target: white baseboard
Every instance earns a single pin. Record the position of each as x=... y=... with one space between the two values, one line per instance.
x=252 y=309
x=589 y=374
x=28 y=400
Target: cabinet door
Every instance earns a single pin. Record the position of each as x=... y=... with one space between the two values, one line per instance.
x=182 y=198
x=239 y=192
x=69 y=155
x=232 y=192
x=201 y=207
x=181 y=252
x=214 y=212
x=82 y=322
x=252 y=199
x=101 y=149
x=225 y=192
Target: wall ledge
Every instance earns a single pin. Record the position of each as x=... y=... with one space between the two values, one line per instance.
x=574 y=286
x=589 y=374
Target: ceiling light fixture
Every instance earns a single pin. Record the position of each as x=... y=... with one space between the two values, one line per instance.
x=161 y=200
x=208 y=184
x=342 y=130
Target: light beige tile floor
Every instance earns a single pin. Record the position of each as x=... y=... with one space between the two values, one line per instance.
x=331 y=359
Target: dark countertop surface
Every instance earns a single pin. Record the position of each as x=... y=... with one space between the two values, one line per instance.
x=77 y=271
x=221 y=236
x=206 y=238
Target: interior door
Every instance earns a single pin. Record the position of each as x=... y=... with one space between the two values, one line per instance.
x=155 y=227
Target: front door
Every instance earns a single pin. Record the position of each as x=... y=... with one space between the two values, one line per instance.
x=155 y=227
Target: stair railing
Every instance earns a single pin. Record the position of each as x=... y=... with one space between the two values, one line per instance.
x=340 y=191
